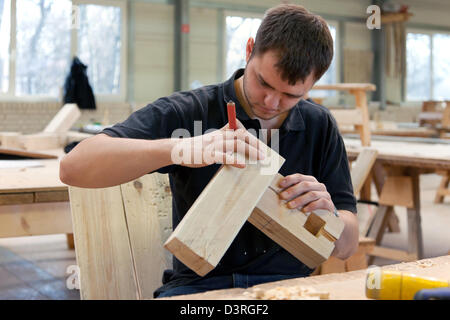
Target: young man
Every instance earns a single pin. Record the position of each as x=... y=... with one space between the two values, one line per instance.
x=292 y=50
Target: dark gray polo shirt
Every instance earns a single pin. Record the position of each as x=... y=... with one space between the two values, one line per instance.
x=308 y=139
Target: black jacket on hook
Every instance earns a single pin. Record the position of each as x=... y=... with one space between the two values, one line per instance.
x=77 y=88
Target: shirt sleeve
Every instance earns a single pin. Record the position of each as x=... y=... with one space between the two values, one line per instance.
x=157 y=120
x=335 y=173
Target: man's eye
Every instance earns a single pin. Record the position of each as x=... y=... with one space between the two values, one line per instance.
x=263 y=83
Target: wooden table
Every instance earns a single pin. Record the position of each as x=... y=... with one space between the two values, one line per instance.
x=396 y=174
x=33 y=201
x=341 y=286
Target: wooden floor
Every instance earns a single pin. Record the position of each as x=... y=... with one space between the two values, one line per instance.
x=35 y=267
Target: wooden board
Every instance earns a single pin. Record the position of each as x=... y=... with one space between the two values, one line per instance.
x=34 y=219
x=362 y=167
x=397 y=191
x=102 y=244
x=347 y=117
x=10 y=140
x=404 y=153
x=41 y=141
x=217 y=215
x=33 y=179
x=340 y=286
x=26 y=154
x=64 y=119
x=142 y=202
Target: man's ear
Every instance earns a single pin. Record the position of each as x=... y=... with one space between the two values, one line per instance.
x=249 y=48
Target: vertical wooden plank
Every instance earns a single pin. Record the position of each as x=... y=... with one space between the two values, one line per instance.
x=145 y=199
x=70 y=241
x=439 y=198
x=364 y=132
x=102 y=245
x=415 y=241
x=361 y=103
x=379 y=225
x=362 y=167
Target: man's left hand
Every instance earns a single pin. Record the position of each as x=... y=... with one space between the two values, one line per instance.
x=305 y=193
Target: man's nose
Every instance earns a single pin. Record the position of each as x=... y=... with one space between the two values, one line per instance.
x=272 y=100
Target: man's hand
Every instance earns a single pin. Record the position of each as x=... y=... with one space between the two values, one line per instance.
x=224 y=146
x=305 y=193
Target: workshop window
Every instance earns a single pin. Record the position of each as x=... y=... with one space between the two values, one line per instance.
x=5 y=27
x=428 y=66
x=48 y=33
x=240 y=28
x=43 y=46
x=99 y=45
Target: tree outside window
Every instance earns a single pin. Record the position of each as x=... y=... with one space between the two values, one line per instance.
x=428 y=66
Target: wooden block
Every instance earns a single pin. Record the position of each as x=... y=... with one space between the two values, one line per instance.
x=333 y=265
x=397 y=191
x=74 y=136
x=64 y=119
x=145 y=199
x=215 y=218
x=41 y=141
x=307 y=237
x=10 y=140
x=34 y=219
x=347 y=117
x=70 y=241
x=102 y=244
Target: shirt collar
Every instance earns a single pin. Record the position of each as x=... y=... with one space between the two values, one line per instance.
x=293 y=122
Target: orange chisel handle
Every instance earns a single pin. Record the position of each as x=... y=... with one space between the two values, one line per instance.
x=231 y=110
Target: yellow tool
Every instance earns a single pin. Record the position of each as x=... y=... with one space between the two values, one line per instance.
x=395 y=285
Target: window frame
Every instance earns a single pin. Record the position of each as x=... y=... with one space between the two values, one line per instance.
x=10 y=94
x=429 y=33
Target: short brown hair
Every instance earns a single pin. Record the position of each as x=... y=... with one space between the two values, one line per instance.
x=301 y=39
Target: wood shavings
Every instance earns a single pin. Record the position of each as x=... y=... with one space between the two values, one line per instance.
x=425 y=263
x=287 y=293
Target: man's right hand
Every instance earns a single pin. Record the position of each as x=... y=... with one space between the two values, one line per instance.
x=225 y=146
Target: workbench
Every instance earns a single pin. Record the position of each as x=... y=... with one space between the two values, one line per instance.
x=34 y=201
x=340 y=286
x=396 y=176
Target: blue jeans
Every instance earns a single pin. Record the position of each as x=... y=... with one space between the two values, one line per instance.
x=236 y=280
